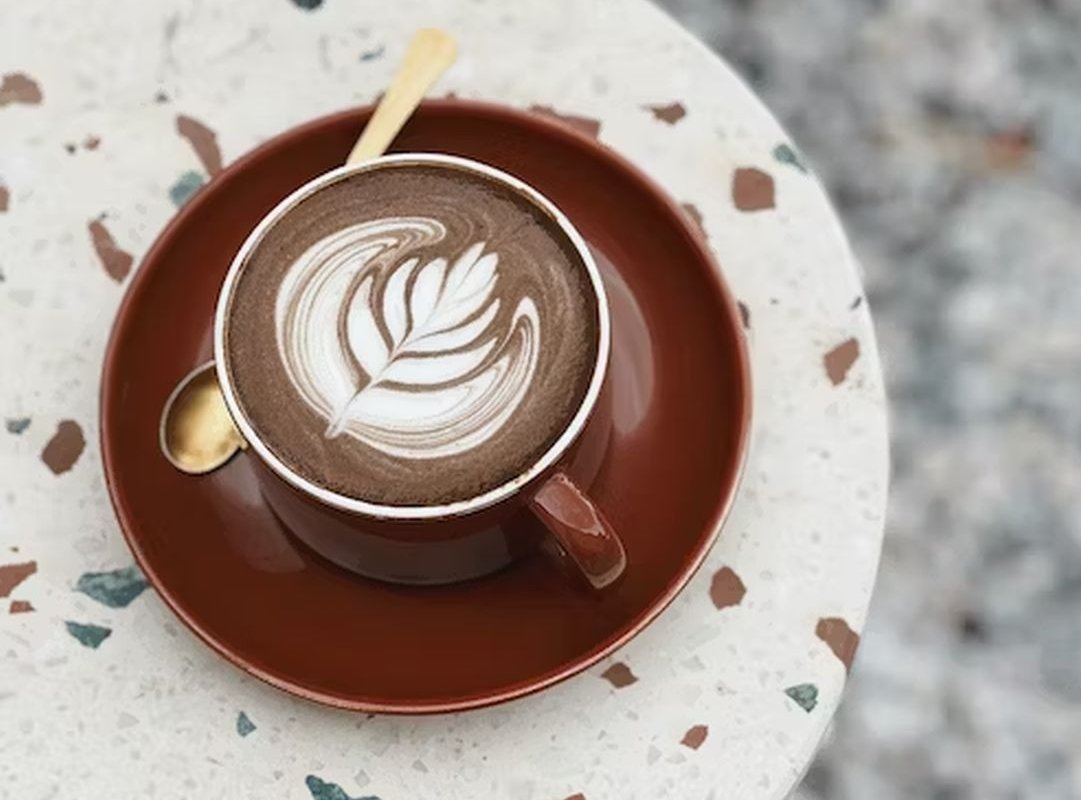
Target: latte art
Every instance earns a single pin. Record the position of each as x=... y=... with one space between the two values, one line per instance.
x=411 y=358
x=410 y=334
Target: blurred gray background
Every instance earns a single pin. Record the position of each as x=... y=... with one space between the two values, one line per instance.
x=949 y=135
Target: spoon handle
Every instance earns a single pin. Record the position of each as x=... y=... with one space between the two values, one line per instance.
x=429 y=55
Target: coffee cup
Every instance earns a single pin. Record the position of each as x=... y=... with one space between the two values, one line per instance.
x=415 y=350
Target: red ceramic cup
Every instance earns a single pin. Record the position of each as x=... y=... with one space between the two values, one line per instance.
x=432 y=544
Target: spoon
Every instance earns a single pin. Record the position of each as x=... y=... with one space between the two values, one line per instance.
x=197 y=433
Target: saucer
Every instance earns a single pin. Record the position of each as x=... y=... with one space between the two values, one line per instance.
x=224 y=565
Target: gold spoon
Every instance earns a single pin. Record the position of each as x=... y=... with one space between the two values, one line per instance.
x=197 y=433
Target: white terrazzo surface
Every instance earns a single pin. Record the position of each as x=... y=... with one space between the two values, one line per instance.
x=729 y=702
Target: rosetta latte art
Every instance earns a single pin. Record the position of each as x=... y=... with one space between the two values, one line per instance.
x=417 y=360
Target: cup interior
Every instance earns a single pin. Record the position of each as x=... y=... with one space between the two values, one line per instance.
x=550 y=457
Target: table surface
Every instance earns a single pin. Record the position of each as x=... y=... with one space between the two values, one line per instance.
x=111 y=114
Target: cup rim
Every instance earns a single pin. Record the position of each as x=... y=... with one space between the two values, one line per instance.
x=457 y=508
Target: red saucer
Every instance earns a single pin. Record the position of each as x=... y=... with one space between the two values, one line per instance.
x=223 y=564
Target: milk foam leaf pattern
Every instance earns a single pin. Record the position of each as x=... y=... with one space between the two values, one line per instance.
x=362 y=332
x=416 y=358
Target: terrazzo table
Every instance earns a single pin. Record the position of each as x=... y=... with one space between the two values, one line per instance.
x=112 y=115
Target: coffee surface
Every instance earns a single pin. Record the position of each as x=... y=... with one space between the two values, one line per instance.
x=413 y=334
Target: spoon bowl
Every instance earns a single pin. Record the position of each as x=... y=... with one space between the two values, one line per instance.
x=197 y=433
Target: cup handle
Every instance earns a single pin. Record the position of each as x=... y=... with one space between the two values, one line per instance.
x=581 y=530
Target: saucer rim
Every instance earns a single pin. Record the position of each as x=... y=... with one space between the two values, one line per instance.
x=680 y=578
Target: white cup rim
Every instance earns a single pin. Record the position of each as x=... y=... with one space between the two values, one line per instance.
x=491 y=497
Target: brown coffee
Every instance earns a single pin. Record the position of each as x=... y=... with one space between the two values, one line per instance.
x=412 y=334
